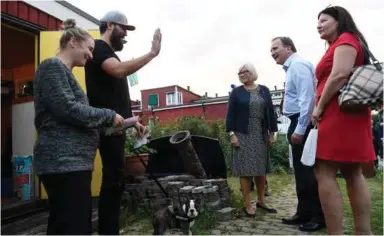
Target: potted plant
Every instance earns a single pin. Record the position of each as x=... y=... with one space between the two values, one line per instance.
x=133 y=165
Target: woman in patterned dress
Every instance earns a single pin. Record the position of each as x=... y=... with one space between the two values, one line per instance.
x=344 y=139
x=251 y=123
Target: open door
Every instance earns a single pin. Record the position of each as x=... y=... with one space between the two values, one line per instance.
x=49 y=47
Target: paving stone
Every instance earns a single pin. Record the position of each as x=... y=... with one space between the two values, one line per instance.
x=267 y=227
x=276 y=232
x=257 y=232
x=238 y=221
x=230 y=228
x=292 y=229
x=225 y=223
x=244 y=224
x=247 y=229
x=237 y=233
x=215 y=232
x=225 y=214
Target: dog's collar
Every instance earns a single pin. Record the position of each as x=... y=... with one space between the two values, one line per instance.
x=184 y=218
x=180 y=217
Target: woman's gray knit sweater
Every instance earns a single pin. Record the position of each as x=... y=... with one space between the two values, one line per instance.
x=68 y=128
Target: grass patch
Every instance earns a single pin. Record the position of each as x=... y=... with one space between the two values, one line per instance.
x=375 y=186
x=204 y=223
x=139 y=220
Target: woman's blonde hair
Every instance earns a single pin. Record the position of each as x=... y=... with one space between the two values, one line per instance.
x=71 y=30
x=251 y=68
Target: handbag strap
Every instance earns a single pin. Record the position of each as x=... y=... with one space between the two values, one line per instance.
x=375 y=62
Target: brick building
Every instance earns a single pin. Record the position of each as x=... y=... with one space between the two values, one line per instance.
x=170 y=102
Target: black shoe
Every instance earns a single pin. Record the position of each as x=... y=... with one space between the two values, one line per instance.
x=294 y=220
x=311 y=226
x=247 y=213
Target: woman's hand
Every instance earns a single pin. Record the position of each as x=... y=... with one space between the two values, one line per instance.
x=234 y=141
x=118 y=121
x=141 y=131
x=271 y=139
x=317 y=115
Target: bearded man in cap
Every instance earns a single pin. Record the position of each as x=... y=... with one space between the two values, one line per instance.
x=107 y=87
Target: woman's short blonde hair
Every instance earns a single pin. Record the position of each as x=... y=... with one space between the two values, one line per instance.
x=251 y=68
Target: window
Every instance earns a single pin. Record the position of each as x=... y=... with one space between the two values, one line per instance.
x=153 y=100
x=170 y=98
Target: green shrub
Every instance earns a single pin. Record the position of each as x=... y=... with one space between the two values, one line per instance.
x=216 y=129
x=279 y=154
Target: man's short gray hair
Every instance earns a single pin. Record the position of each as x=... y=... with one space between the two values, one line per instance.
x=251 y=68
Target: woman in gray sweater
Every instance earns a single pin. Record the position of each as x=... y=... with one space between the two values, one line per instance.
x=68 y=134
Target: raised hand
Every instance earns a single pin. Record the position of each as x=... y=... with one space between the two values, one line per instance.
x=156 y=43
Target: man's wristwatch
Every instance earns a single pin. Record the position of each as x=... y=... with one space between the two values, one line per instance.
x=231 y=133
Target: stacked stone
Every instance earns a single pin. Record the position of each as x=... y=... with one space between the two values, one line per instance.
x=212 y=198
x=142 y=189
x=224 y=191
x=140 y=179
x=213 y=194
x=185 y=178
x=173 y=191
x=195 y=182
x=156 y=196
x=186 y=193
x=169 y=178
x=198 y=196
x=132 y=196
x=207 y=183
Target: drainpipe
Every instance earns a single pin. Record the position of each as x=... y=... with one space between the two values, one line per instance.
x=204 y=110
x=175 y=96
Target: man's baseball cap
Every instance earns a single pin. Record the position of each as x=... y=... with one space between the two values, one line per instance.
x=117 y=18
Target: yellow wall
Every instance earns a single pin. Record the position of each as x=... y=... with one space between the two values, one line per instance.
x=49 y=45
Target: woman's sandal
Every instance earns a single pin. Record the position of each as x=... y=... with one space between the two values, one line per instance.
x=248 y=214
x=270 y=210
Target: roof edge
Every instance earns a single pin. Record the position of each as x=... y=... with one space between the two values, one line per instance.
x=78 y=11
x=170 y=86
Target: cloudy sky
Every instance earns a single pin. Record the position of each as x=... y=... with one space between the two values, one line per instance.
x=206 y=41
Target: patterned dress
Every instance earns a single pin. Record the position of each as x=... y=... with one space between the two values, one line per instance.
x=251 y=158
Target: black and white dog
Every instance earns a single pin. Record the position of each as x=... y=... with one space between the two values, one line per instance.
x=173 y=217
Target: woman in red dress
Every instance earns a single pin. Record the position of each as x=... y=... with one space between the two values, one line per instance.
x=344 y=140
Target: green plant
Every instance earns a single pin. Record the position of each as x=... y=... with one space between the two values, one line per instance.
x=279 y=153
x=379 y=174
x=216 y=129
x=130 y=142
x=206 y=221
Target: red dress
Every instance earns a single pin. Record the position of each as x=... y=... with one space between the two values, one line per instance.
x=342 y=137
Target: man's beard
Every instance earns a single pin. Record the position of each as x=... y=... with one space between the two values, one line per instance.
x=116 y=41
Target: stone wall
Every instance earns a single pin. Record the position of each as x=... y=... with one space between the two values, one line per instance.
x=213 y=194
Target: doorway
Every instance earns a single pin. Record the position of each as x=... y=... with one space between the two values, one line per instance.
x=18 y=60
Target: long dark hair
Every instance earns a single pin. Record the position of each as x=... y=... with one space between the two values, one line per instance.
x=346 y=24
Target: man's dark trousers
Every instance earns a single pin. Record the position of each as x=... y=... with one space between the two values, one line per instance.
x=309 y=206
x=112 y=186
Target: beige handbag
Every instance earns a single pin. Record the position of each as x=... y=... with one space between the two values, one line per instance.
x=364 y=87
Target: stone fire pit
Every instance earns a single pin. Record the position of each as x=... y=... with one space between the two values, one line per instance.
x=212 y=194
